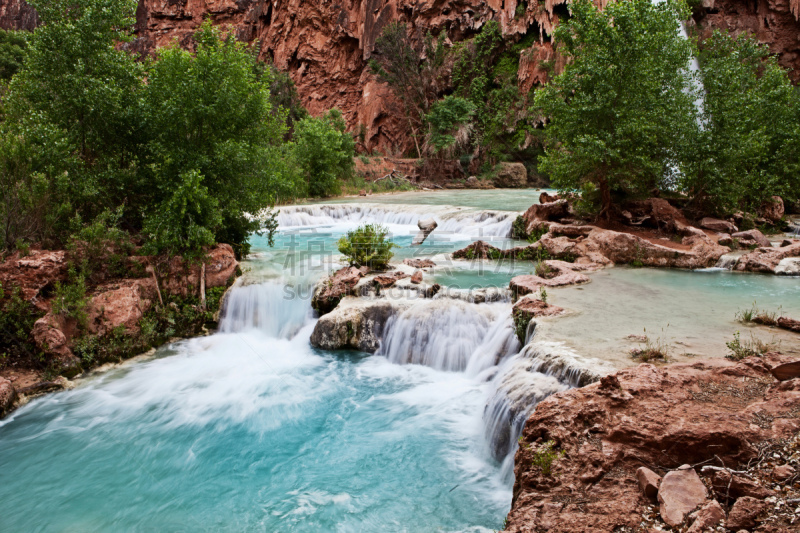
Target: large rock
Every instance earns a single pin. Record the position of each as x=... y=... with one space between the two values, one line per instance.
x=536 y=214
x=649 y=482
x=52 y=334
x=425 y=228
x=182 y=278
x=419 y=263
x=8 y=395
x=772 y=209
x=34 y=272
x=560 y=275
x=685 y=413
x=680 y=493
x=720 y=226
x=510 y=176
x=738 y=486
x=221 y=265
x=708 y=518
x=786 y=371
x=744 y=513
x=120 y=305
x=330 y=290
x=751 y=237
x=387 y=280
x=768 y=259
x=355 y=324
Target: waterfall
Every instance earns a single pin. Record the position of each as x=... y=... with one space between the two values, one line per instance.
x=266 y=307
x=450 y=335
x=727 y=261
x=450 y=219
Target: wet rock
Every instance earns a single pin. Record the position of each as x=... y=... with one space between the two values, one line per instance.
x=720 y=226
x=8 y=395
x=649 y=482
x=387 y=280
x=768 y=259
x=531 y=307
x=419 y=263
x=786 y=371
x=751 y=237
x=783 y=472
x=478 y=250
x=510 y=176
x=789 y=323
x=772 y=209
x=560 y=275
x=355 y=323
x=330 y=290
x=707 y=518
x=425 y=228
x=738 y=486
x=744 y=513
x=545 y=212
x=417 y=277
x=546 y=198
x=680 y=493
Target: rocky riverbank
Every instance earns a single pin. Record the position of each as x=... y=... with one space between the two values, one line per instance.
x=52 y=335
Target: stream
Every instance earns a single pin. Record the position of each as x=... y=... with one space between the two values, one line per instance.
x=253 y=429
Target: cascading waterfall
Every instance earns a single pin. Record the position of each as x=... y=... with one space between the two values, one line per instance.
x=457 y=220
x=267 y=307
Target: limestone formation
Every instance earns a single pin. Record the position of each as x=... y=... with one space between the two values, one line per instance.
x=425 y=228
x=330 y=290
x=769 y=259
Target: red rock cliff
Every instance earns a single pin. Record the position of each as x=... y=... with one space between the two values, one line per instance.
x=325 y=46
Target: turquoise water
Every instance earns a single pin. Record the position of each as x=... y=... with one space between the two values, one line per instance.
x=501 y=199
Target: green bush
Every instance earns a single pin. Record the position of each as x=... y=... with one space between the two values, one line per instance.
x=367 y=246
x=70 y=299
x=16 y=322
x=324 y=153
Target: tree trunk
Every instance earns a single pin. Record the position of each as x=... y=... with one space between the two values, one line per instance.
x=605 y=198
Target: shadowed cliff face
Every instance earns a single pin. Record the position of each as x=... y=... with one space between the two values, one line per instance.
x=325 y=46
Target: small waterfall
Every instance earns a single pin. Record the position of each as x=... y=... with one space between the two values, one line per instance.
x=450 y=219
x=450 y=335
x=727 y=261
x=267 y=307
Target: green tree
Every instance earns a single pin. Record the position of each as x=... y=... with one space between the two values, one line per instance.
x=449 y=121
x=213 y=138
x=12 y=51
x=324 y=153
x=367 y=246
x=746 y=150
x=625 y=102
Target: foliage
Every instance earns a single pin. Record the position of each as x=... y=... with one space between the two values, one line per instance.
x=657 y=349
x=16 y=322
x=519 y=228
x=624 y=102
x=367 y=246
x=70 y=299
x=324 y=153
x=754 y=347
x=758 y=316
x=544 y=457
x=12 y=51
x=417 y=83
x=449 y=122
x=741 y=156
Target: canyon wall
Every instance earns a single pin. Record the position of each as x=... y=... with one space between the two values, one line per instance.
x=326 y=46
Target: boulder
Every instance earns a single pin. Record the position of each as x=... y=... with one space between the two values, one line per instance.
x=121 y=304
x=738 y=486
x=416 y=277
x=52 y=333
x=546 y=198
x=783 y=472
x=8 y=395
x=720 y=226
x=772 y=209
x=510 y=176
x=221 y=265
x=478 y=250
x=649 y=482
x=768 y=259
x=657 y=212
x=725 y=239
x=680 y=493
x=330 y=290
x=744 y=513
x=33 y=272
x=545 y=212
x=425 y=228
x=387 y=280
x=355 y=324
x=786 y=371
x=182 y=277
x=531 y=307
x=561 y=275
x=751 y=237
x=707 y=518
x=362 y=192
x=789 y=323
x=419 y=263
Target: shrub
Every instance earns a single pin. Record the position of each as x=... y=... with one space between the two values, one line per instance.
x=740 y=349
x=16 y=322
x=652 y=350
x=70 y=299
x=367 y=246
x=544 y=457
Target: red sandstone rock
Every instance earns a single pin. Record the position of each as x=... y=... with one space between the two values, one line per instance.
x=417 y=277
x=52 y=334
x=331 y=290
x=680 y=493
x=649 y=482
x=387 y=280
x=545 y=198
x=767 y=259
x=545 y=212
x=660 y=416
x=782 y=472
x=738 y=486
x=789 y=323
x=221 y=266
x=561 y=276
x=772 y=209
x=8 y=395
x=751 y=237
x=707 y=518
x=720 y=226
x=33 y=272
x=744 y=513
x=510 y=176
x=786 y=371
x=531 y=307
x=120 y=304
x=419 y=263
